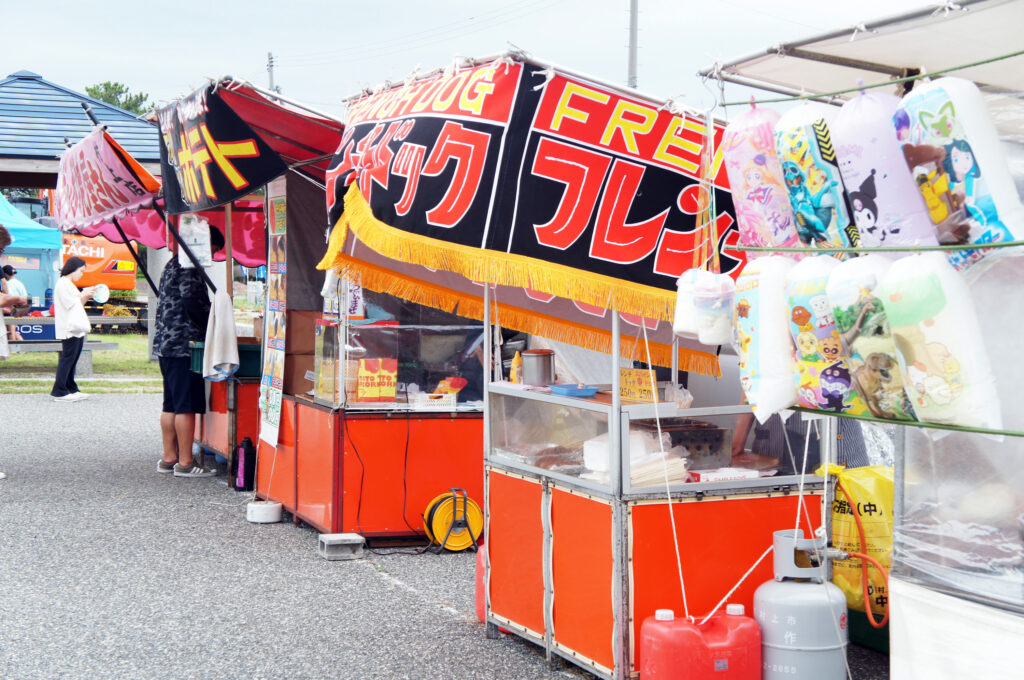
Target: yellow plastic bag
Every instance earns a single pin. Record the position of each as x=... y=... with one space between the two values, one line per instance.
x=871 y=491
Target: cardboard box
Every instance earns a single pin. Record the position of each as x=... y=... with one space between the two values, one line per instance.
x=300 y=332
x=295 y=368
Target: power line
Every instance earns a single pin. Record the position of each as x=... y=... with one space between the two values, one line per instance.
x=431 y=32
x=398 y=46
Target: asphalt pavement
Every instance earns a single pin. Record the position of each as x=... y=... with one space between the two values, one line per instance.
x=110 y=570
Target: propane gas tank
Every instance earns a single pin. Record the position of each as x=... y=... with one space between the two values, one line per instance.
x=803 y=624
x=726 y=647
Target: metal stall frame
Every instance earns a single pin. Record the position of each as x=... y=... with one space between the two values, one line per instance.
x=622 y=498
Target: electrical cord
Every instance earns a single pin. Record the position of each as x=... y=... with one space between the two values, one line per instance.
x=362 y=478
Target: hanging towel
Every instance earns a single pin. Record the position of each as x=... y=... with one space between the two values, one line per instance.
x=220 y=355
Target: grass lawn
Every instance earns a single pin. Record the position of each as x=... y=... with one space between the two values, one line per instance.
x=126 y=369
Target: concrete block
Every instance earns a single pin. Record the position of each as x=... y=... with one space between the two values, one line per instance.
x=341 y=546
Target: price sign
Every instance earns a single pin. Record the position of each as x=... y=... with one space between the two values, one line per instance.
x=635 y=383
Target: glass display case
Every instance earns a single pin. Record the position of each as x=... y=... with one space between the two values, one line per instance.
x=583 y=441
x=399 y=356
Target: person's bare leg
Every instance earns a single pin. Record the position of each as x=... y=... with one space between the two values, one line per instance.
x=185 y=428
x=170 y=437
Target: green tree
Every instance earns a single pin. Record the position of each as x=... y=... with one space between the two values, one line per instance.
x=120 y=96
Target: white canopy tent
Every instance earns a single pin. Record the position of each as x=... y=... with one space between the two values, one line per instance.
x=929 y=40
x=950 y=618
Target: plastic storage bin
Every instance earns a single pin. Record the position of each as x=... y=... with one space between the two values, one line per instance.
x=249 y=354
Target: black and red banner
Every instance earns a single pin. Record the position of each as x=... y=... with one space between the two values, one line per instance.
x=513 y=157
x=209 y=156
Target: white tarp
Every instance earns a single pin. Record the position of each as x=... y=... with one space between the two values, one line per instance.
x=940 y=637
x=936 y=37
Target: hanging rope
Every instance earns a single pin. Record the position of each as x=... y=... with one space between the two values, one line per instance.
x=881 y=249
x=664 y=469
x=895 y=81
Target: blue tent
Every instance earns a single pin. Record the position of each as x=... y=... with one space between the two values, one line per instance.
x=27 y=234
x=35 y=252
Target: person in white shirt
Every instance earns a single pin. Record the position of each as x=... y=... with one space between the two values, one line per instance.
x=13 y=286
x=71 y=324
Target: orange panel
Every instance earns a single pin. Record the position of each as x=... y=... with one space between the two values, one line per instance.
x=582 y=561
x=215 y=421
x=719 y=540
x=515 y=547
x=315 y=458
x=275 y=468
x=247 y=407
x=247 y=416
x=393 y=466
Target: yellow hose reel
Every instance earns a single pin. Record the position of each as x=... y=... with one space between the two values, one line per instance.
x=453 y=521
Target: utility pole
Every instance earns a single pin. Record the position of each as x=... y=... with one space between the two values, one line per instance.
x=270 y=70
x=633 y=10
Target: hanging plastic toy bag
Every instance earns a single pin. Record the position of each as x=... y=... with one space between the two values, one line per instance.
x=713 y=300
x=867 y=340
x=195 y=233
x=823 y=378
x=871 y=495
x=763 y=213
x=887 y=208
x=809 y=167
x=953 y=151
x=685 y=320
x=941 y=350
x=762 y=339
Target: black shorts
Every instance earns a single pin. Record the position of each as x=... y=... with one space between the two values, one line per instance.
x=184 y=391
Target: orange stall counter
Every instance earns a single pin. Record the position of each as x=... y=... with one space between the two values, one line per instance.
x=371 y=473
x=596 y=585
x=275 y=465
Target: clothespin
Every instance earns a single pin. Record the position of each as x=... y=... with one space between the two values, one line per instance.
x=858 y=28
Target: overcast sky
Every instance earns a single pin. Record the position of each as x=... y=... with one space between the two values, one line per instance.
x=328 y=50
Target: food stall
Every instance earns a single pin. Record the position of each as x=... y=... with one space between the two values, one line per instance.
x=580 y=524
x=584 y=512
x=956 y=598
x=263 y=135
x=367 y=423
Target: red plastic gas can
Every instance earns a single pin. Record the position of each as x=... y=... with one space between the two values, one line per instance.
x=727 y=647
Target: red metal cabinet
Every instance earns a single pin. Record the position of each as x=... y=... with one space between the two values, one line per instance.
x=393 y=464
x=317 y=467
x=515 y=552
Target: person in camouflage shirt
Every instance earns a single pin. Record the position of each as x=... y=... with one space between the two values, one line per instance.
x=182 y=311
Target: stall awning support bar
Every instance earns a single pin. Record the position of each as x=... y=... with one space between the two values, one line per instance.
x=135 y=256
x=181 y=244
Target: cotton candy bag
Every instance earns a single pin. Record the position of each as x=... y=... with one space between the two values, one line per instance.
x=685 y=320
x=763 y=214
x=822 y=375
x=953 y=150
x=867 y=340
x=886 y=206
x=762 y=339
x=811 y=172
x=941 y=351
x=713 y=301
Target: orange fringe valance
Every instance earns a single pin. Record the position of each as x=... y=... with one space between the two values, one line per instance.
x=386 y=281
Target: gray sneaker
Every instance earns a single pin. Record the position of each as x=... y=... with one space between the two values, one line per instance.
x=192 y=470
